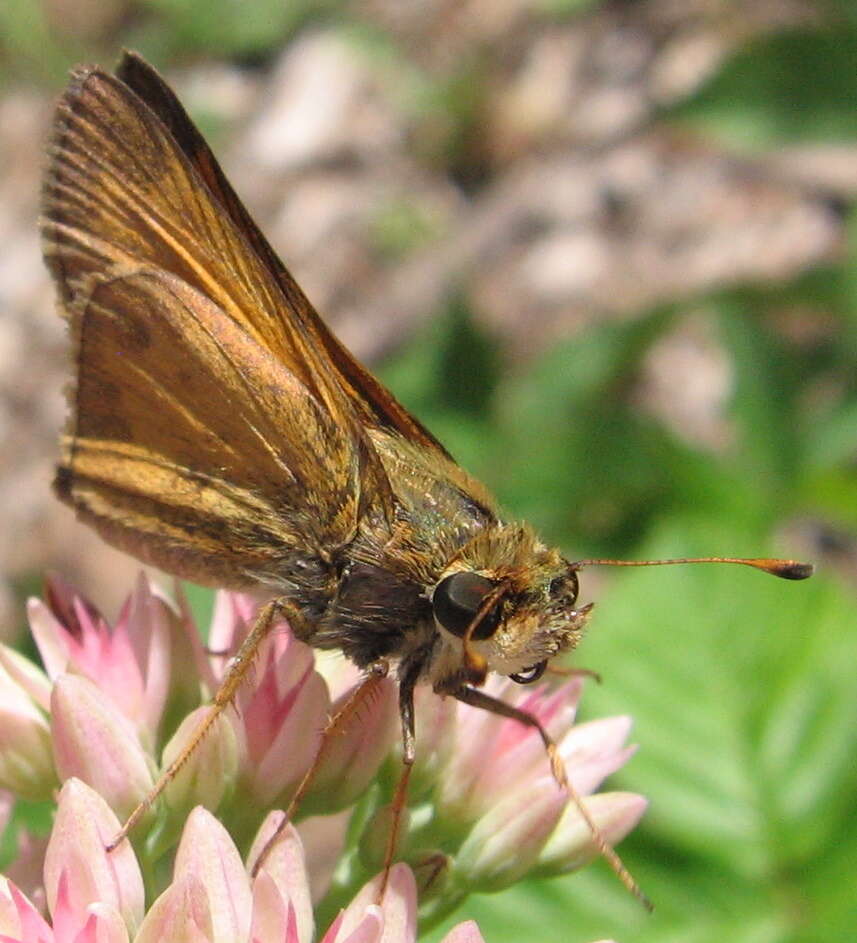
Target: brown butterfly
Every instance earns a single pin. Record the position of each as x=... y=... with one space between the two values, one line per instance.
x=221 y=432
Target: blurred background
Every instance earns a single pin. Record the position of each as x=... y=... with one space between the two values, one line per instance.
x=606 y=252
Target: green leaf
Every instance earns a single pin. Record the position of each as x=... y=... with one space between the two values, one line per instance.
x=224 y=26
x=768 y=450
x=201 y=602
x=742 y=692
x=798 y=85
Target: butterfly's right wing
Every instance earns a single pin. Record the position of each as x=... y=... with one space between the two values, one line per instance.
x=192 y=447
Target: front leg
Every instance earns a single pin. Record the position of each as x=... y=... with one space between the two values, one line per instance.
x=486 y=702
x=407 y=683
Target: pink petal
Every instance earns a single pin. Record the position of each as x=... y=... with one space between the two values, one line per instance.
x=52 y=637
x=516 y=755
x=19 y=919
x=505 y=843
x=570 y=846
x=323 y=837
x=397 y=915
x=467 y=932
x=279 y=677
x=67 y=917
x=593 y=751
x=147 y=620
x=370 y=929
x=180 y=915
x=367 y=930
x=104 y=925
x=399 y=906
x=207 y=851
x=476 y=733
x=231 y=619
x=351 y=760
x=93 y=741
x=282 y=715
x=79 y=871
x=27 y=676
x=339 y=672
x=556 y=709
x=130 y=662
x=274 y=917
x=284 y=865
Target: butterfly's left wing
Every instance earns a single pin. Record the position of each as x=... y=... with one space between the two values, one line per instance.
x=375 y=405
x=199 y=390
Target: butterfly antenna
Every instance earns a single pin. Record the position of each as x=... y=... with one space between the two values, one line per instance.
x=785 y=569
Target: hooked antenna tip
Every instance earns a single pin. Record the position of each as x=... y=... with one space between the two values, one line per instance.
x=790 y=569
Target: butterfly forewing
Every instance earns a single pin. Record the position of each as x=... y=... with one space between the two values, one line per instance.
x=120 y=192
x=374 y=404
x=207 y=433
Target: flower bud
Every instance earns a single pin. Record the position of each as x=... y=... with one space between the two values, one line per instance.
x=93 y=741
x=467 y=932
x=505 y=843
x=280 y=715
x=26 y=760
x=210 y=897
x=209 y=772
x=79 y=871
x=129 y=662
x=355 y=751
x=571 y=846
x=393 y=920
x=280 y=890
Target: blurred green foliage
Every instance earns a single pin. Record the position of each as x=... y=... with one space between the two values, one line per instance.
x=797 y=85
x=741 y=687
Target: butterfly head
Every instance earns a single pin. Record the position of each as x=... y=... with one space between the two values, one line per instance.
x=514 y=614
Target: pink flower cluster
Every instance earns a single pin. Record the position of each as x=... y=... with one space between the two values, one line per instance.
x=98 y=897
x=114 y=703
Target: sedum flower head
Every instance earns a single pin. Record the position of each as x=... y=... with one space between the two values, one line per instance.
x=97 y=897
x=116 y=703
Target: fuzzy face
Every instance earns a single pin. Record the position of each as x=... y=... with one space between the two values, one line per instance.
x=533 y=618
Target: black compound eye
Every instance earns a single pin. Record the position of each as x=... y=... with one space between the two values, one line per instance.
x=457 y=599
x=564 y=582
x=531 y=674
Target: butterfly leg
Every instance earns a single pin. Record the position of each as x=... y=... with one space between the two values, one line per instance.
x=364 y=692
x=407 y=683
x=484 y=701
x=235 y=676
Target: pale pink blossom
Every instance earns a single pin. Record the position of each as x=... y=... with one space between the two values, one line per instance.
x=118 y=703
x=496 y=790
x=209 y=776
x=280 y=718
x=129 y=661
x=96 y=743
x=79 y=873
x=26 y=763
